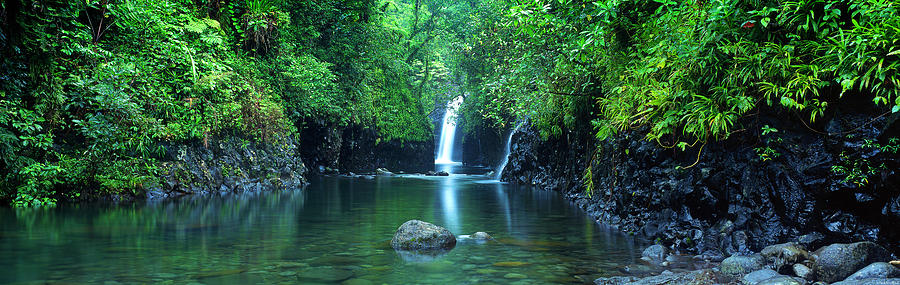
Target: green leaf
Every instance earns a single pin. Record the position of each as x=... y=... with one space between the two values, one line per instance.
x=765 y=22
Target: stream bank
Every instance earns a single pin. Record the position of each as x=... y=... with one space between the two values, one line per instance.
x=731 y=201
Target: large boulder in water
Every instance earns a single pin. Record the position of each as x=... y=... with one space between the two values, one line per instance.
x=837 y=261
x=419 y=235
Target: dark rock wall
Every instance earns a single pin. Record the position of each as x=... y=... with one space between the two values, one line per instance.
x=731 y=200
x=220 y=166
x=357 y=149
x=482 y=146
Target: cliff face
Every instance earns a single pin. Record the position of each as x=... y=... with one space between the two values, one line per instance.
x=229 y=165
x=357 y=149
x=836 y=181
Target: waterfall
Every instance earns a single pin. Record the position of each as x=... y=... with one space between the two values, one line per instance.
x=506 y=156
x=448 y=133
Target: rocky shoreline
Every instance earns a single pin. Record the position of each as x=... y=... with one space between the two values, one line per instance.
x=780 y=264
x=732 y=200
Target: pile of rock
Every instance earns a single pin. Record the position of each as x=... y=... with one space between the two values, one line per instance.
x=787 y=264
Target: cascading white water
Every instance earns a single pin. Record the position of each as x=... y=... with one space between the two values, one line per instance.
x=448 y=133
x=506 y=156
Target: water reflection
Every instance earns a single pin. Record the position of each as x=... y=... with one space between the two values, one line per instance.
x=339 y=226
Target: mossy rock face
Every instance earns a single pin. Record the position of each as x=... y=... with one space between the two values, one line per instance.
x=419 y=235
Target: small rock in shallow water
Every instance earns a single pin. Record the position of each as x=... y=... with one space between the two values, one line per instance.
x=876 y=270
x=482 y=236
x=416 y=235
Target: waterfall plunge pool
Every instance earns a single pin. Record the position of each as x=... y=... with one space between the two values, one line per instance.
x=336 y=230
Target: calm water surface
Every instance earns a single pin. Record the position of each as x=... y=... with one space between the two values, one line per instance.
x=335 y=230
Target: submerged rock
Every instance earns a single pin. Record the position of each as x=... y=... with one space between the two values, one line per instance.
x=419 y=235
x=838 y=261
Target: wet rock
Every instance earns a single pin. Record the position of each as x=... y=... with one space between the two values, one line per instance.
x=655 y=254
x=876 y=270
x=784 y=255
x=758 y=276
x=483 y=236
x=838 y=261
x=873 y=281
x=803 y=271
x=742 y=264
x=383 y=172
x=419 y=235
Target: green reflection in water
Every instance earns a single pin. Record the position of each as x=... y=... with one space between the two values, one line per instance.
x=336 y=230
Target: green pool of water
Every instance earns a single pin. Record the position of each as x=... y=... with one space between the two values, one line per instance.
x=335 y=230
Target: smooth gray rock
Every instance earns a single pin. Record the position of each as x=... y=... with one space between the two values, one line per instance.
x=419 y=235
x=803 y=271
x=655 y=254
x=742 y=264
x=873 y=281
x=785 y=254
x=876 y=270
x=838 y=261
x=755 y=277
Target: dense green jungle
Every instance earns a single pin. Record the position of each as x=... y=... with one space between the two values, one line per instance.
x=711 y=128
